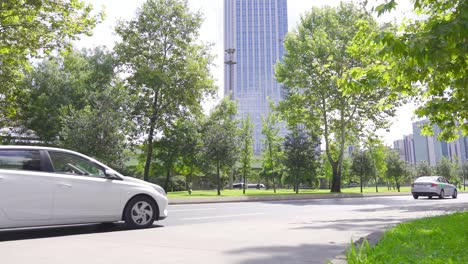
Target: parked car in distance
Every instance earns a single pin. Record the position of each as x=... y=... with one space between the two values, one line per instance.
x=41 y=186
x=239 y=185
x=433 y=186
x=256 y=186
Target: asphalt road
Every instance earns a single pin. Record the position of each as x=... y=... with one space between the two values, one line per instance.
x=308 y=231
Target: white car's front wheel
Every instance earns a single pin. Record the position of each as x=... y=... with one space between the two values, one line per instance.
x=140 y=212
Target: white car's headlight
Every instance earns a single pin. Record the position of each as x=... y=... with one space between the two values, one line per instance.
x=159 y=190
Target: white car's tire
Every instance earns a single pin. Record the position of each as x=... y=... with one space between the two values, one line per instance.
x=455 y=194
x=442 y=194
x=140 y=212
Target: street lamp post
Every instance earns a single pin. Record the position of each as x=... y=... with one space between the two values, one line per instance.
x=231 y=62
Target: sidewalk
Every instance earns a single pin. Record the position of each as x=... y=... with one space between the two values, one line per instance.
x=262 y=198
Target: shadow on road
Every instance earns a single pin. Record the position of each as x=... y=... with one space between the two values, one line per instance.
x=432 y=205
x=61 y=231
x=301 y=254
x=358 y=224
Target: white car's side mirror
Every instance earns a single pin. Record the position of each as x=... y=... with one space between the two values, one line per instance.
x=111 y=174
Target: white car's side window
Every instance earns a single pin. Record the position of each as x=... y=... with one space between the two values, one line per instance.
x=20 y=160
x=71 y=164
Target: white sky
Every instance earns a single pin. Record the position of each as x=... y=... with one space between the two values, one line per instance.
x=212 y=32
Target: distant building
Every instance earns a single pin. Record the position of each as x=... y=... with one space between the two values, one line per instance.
x=431 y=150
x=405 y=148
x=254 y=31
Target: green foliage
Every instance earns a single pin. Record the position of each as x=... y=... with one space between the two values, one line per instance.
x=423 y=169
x=434 y=240
x=397 y=169
x=77 y=102
x=246 y=148
x=100 y=128
x=317 y=72
x=168 y=71
x=427 y=60
x=448 y=169
x=220 y=141
x=363 y=166
x=301 y=157
x=272 y=153
x=378 y=153
x=190 y=146
x=30 y=29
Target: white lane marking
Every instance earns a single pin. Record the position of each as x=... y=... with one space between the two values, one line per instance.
x=188 y=210
x=219 y=216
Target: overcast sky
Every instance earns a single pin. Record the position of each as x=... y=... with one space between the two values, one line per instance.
x=212 y=32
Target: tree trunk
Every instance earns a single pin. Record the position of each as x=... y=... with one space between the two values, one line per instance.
x=360 y=177
x=336 y=179
x=274 y=183
x=231 y=179
x=272 y=167
x=397 y=184
x=218 y=179
x=243 y=185
x=376 y=184
x=150 y=152
x=150 y=137
x=168 y=177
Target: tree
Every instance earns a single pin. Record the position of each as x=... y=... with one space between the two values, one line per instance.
x=246 y=148
x=30 y=29
x=167 y=153
x=301 y=156
x=423 y=169
x=363 y=165
x=100 y=128
x=220 y=145
x=316 y=73
x=56 y=85
x=378 y=153
x=190 y=147
x=168 y=72
x=76 y=101
x=427 y=60
x=272 y=153
x=464 y=171
x=447 y=169
x=396 y=168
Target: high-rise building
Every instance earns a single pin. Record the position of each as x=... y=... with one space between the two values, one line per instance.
x=253 y=39
x=406 y=149
x=431 y=150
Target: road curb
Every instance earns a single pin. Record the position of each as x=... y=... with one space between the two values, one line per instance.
x=372 y=238
x=266 y=198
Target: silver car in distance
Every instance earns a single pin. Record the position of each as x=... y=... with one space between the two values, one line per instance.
x=433 y=186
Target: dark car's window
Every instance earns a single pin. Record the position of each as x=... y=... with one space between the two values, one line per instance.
x=71 y=164
x=29 y=160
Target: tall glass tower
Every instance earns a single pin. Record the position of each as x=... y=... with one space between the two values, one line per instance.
x=254 y=31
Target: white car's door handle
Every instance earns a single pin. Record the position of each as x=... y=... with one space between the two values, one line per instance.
x=64 y=185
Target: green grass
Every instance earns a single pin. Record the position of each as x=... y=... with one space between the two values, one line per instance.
x=254 y=192
x=434 y=240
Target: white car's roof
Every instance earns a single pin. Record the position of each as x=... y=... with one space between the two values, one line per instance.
x=48 y=148
x=427 y=178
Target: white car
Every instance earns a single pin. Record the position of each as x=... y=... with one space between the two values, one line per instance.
x=42 y=186
x=433 y=186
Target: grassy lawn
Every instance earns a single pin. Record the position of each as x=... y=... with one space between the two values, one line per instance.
x=254 y=192
x=434 y=240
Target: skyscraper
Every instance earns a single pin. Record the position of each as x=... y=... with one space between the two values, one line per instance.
x=253 y=34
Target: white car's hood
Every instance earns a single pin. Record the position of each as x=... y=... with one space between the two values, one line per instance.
x=138 y=181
